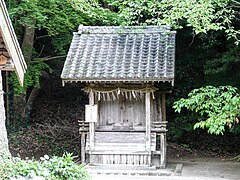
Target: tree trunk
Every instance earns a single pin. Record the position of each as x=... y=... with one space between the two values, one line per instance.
x=28 y=41
x=20 y=102
x=4 y=150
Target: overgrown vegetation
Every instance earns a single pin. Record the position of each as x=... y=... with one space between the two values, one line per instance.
x=203 y=16
x=50 y=168
x=219 y=106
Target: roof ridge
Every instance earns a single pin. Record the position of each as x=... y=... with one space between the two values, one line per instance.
x=123 y=29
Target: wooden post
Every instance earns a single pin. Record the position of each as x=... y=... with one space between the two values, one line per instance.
x=163 y=107
x=163 y=144
x=83 y=146
x=163 y=147
x=148 y=121
x=4 y=150
x=7 y=100
x=91 y=124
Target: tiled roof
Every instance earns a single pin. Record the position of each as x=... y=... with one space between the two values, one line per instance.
x=121 y=54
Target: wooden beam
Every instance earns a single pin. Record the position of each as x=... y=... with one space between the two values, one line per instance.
x=148 y=121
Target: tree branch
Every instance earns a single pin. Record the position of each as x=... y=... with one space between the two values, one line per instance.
x=48 y=58
x=236 y=2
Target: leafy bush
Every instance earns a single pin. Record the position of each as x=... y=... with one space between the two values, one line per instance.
x=60 y=168
x=219 y=106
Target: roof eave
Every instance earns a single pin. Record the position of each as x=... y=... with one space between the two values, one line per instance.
x=149 y=80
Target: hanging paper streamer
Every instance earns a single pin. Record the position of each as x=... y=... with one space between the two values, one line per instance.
x=112 y=94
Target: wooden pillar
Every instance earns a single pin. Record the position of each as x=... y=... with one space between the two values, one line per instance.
x=7 y=100
x=4 y=150
x=163 y=107
x=163 y=147
x=148 y=121
x=83 y=146
x=91 y=124
x=163 y=138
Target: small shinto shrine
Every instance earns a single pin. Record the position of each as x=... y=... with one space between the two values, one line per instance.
x=124 y=71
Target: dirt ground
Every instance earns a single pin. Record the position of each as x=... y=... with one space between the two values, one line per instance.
x=198 y=169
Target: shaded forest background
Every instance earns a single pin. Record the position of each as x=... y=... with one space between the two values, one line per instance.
x=42 y=117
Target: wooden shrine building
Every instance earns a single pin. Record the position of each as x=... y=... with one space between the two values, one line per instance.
x=11 y=58
x=124 y=71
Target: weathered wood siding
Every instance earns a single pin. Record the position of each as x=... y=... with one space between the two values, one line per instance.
x=121 y=148
x=124 y=112
x=124 y=159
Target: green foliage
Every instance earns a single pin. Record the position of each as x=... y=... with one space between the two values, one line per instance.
x=61 y=168
x=201 y=15
x=224 y=62
x=31 y=78
x=219 y=106
x=93 y=10
x=180 y=125
x=60 y=17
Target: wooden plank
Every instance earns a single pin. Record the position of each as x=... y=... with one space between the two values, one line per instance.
x=136 y=159
x=119 y=146
x=106 y=152
x=111 y=159
x=104 y=159
x=141 y=161
x=110 y=129
x=117 y=159
x=122 y=111
x=124 y=141
x=116 y=137
x=130 y=159
x=123 y=159
x=148 y=121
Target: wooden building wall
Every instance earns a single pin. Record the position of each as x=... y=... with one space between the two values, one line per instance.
x=126 y=112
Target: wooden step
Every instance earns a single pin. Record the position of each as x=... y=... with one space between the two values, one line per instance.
x=121 y=141
x=120 y=152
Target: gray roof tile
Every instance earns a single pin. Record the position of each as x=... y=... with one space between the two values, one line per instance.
x=121 y=54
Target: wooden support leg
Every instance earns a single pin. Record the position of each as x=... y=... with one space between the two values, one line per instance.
x=83 y=146
x=91 y=127
x=148 y=122
x=163 y=146
x=148 y=126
